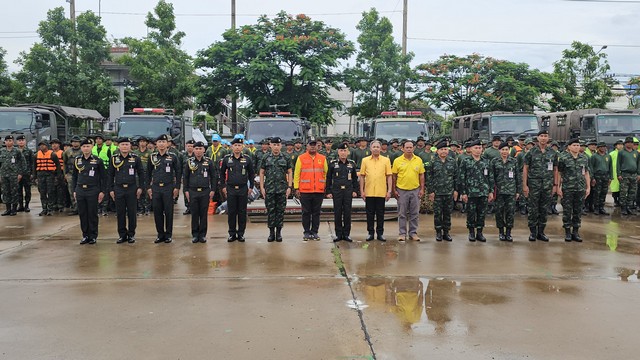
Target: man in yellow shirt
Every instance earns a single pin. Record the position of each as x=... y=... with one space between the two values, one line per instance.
x=375 y=189
x=408 y=188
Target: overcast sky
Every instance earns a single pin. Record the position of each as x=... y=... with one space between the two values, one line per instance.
x=612 y=23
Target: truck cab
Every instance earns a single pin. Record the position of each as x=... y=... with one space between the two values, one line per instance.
x=485 y=126
x=153 y=122
x=284 y=125
x=398 y=125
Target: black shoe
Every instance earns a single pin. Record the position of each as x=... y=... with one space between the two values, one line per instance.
x=92 y=240
x=73 y=213
x=347 y=238
x=121 y=240
x=507 y=235
x=337 y=239
x=480 y=237
x=272 y=235
x=168 y=240
x=567 y=234
x=501 y=235
x=131 y=239
x=541 y=234
x=381 y=238
x=203 y=239
x=279 y=235
x=6 y=213
x=575 y=236
x=20 y=208
x=439 y=235
x=446 y=236
x=472 y=235
x=624 y=211
x=26 y=209
x=369 y=237
x=195 y=240
x=186 y=212
x=240 y=238
x=554 y=210
x=533 y=235
x=523 y=211
x=84 y=240
x=232 y=238
x=49 y=213
x=43 y=213
x=158 y=240
x=632 y=211
x=602 y=211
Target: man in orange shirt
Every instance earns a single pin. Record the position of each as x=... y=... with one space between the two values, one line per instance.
x=375 y=189
x=309 y=182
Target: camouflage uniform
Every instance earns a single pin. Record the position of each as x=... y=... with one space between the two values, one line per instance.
x=628 y=167
x=24 y=186
x=476 y=181
x=144 y=202
x=602 y=168
x=68 y=160
x=574 y=186
x=522 y=201
x=275 y=169
x=508 y=182
x=441 y=179
x=12 y=164
x=541 y=166
x=426 y=205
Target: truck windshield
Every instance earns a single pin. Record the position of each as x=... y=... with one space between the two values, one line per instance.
x=618 y=123
x=514 y=124
x=283 y=128
x=143 y=126
x=15 y=120
x=400 y=130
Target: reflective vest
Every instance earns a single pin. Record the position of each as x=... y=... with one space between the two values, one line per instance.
x=105 y=152
x=44 y=162
x=518 y=150
x=312 y=176
x=58 y=154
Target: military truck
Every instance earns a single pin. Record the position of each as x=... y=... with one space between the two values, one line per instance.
x=398 y=125
x=603 y=125
x=485 y=126
x=46 y=122
x=153 y=122
x=282 y=124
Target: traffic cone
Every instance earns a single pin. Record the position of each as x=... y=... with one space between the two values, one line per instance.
x=212 y=208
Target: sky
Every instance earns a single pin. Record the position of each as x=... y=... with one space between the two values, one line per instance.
x=530 y=31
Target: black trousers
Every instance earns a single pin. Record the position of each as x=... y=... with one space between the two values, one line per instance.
x=163 y=210
x=126 y=210
x=24 y=187
x=199 y=205
x=88 y=211
x=375 y=211
x=311 y=205
x=342 y=201
x=237 y=200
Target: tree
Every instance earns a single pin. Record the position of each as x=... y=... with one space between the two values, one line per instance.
x=380 y=67
x=582 y=79
x=285 y=60
x=634 y=93
x=162 y=72
x=475 y=83
x=50 y=75
x=6 y=82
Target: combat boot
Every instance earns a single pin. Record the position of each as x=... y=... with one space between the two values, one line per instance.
x=14 y=210
x=479 y=236
x=507 y=236
x=631 y=211
x=279 y=234
x=472 y=235
x=7 y=212
x=602 y=211
x=501 y=236
x=438 y=234
x=624 y=211
x=272 y=235
x=534 y=233
x=20 y=208
x=446 y=236
x=567 y=235
x=554 y=210
x=26 y=207
x=541 y=235
x=576 y=236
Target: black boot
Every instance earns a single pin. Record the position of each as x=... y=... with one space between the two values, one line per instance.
x=523 y=210
x=624 y=211
x=26 y=207
x=279 y=234
x=554 y=210
x=472 y=235
x=446 y=236
x=20 y=207
x=438 y=234
x=602 y=211
x=507 y=236
x=479 y=236
x=272 y=235
x=576 y=236
x=541 y=235
x=631 y=211
x=534 y=233
x=501 y=236
x=14 y=210
x=567 y=235
x=7 y=212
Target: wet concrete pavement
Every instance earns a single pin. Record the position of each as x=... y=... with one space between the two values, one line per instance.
x=289 y=300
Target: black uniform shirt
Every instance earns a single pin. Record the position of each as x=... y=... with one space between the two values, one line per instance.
x=200 y=174
x=237 y=171
x=125 y=172
x=342 y=176
x=89 y=174
x=164 y=170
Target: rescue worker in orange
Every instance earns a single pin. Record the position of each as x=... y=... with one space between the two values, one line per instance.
x=47 y=167
x=309 y=183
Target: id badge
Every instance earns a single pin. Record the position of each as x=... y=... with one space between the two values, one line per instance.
x=205 y=174
x=349 y=176
x=583 y=171
x=13 y=160
x=168 y=169
x=549 y=166
x=510 y=174
x=132 y=171
x=486 y=172
x=92 y=173
x=244 y=171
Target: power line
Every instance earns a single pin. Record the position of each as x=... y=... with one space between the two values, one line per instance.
x=19 y=37
x=607 y=1
x=519 y=42
x=18 y=32
x=246 y=15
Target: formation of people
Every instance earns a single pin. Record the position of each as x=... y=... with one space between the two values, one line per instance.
x=92 y=176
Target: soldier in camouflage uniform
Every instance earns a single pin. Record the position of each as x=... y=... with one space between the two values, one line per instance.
x=427 y=156
x=186 y=154
x=574 y=183
x=12 y=166
x=522 y=202
x=328 y=151
x=359 y=153
x=143 y=152
x=262 y=152
x=24 y=185
x=508 y=184
x=538 y=184
x=276 y=181
x=441 y=182
x=493 y=152
x=602 y=169
x=628 y=172
x=68 y=161
x=476 y=189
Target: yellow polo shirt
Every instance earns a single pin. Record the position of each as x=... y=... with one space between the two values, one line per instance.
x=375 y=172
x=408 y=172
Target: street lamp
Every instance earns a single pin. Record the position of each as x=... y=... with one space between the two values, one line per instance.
x=602 y=48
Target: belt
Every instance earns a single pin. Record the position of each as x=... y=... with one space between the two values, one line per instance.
x=85 y=186
x=200 y=189
x=161 y=184
x=342 y=187
x=124 y=186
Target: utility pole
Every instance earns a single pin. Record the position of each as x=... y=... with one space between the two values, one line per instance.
x=234 y=97
x=72 y=15
x=404 y=50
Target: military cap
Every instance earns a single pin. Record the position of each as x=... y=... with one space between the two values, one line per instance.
x=442 y=144
x=277 y=140
x=142 y=138
x=543 y=131
x=328 y=141
x=124 y=139
x=454 y=143
x=628 y=139
x=555 y=143
x=163 y=137
x=619 y=141
x=108 y=137
x=216 y=137
x=503 y=144
x=583 y=143
x=592 y=142
x=394 y=140
x=528 y=141
x=601 y=144
x=86 y=141
x=65 y=144
x=198 y=144
x=343 y=146
x=384 y=142
x=312 y=142
x=534 y=139
x=573 y=141
x=190 y=141
x=475 y=143
x=75 y=138
x=428 y=142
x=99 y=136
x=297 y=141
x=43 y=142
x=522 y=137
x=420 y=138
x=496 y=138
x=237 y=141
x=509 y=138
x=8 y=137
x=54 y=141
x=482 y=142
x=288 y=143
x=20 y=137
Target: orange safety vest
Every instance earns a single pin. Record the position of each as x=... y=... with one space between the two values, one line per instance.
x=518 y=150
x=312 y=176
x=44 y=162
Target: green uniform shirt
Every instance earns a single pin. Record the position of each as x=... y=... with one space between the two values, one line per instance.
x=573 y=171
x=507 y=178
x=491 y=153
x=12 y=162
x=476 y=179
x=541 y=164
x=358 y=154
x=275 y=169
x=442 y=176
x=628 y=162
x=601 y=165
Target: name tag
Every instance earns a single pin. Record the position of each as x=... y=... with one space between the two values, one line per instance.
x=92 y=173
x=132 y=171
x=486 y=172
x=510 y=174
x=349 y=176
x=168 y=169
x=583 y=171
x=205 y=174
x=549 y=166
x=244 y=171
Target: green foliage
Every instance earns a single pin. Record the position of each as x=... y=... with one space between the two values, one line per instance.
x=6 y=83
x=582 y=79
x=50 y=75
x=380 y=68
x=285 y=60
x=163 y=73
x=475 y=83
x=634 y=95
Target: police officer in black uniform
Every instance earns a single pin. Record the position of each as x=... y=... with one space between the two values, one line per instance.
x=342 y=186
x=165 y=176
x=236 y=171
x=125 y=185
x=200 y=181
x=89 y=184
